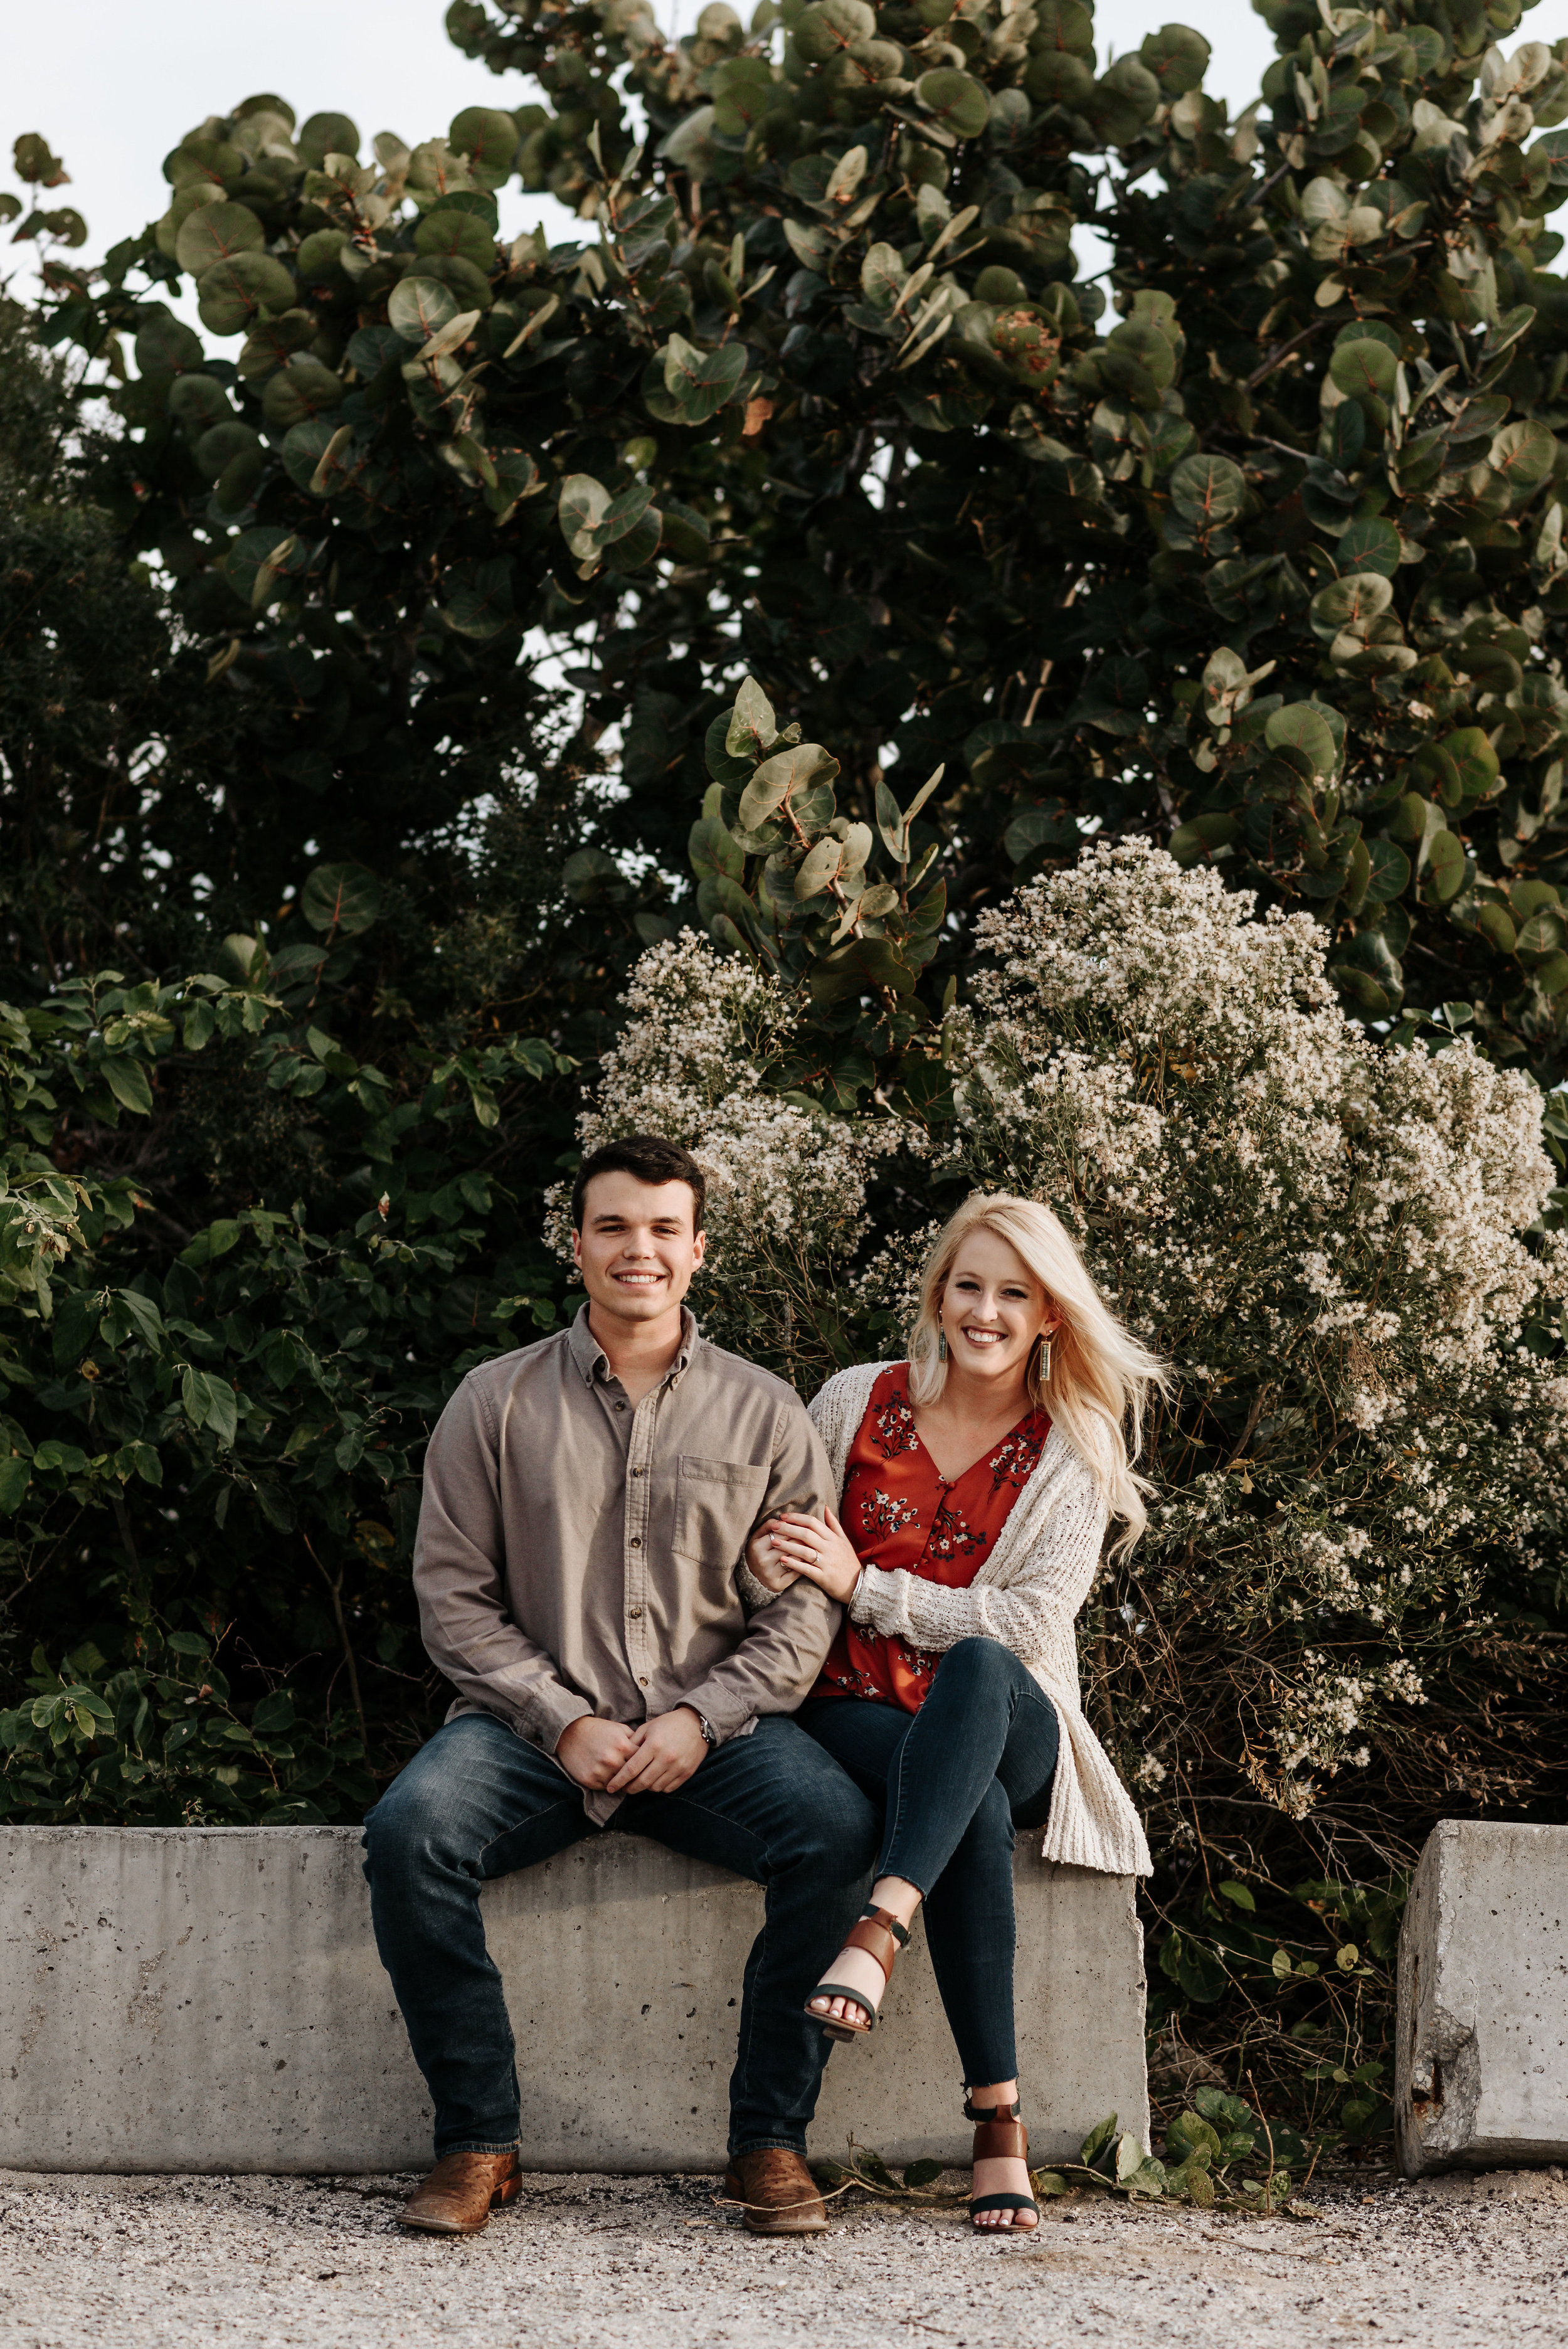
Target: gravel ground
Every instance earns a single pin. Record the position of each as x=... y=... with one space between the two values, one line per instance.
x=618 y=2263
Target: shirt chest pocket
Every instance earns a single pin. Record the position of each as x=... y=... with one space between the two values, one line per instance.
x=716 y=1504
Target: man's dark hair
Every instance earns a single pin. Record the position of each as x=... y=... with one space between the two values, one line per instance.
x=652 y=1159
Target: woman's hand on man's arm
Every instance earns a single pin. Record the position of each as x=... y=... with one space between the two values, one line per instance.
x=814 y=1549
x=763 y=1561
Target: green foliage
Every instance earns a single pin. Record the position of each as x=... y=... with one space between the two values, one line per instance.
x=1315 y=449
x=218 y=1446
x=1318 y=448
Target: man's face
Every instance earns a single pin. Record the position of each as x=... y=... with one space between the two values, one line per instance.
x=636 y=1249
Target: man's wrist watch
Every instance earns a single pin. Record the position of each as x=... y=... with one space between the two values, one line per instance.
x=710 y=1734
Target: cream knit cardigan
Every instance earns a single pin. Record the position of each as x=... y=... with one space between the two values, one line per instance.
x=1026 y=1594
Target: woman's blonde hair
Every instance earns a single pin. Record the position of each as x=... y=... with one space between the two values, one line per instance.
x=1100 y=1373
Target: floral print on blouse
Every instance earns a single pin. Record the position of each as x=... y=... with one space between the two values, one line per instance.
x=898 y=1511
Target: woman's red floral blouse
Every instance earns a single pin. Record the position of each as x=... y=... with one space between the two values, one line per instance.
x=898 y=1512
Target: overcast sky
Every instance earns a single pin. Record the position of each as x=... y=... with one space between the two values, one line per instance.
x=113 y=86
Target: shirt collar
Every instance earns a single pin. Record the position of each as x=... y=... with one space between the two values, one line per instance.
x=594 y=1362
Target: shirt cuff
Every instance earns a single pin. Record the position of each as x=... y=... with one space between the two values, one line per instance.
x=727 y=1714
x=549 y=1714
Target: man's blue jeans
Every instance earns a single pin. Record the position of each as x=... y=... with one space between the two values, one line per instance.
x=478 y=1801
x=954 y=1779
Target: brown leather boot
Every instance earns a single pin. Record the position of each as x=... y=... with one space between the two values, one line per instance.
x=461 y=2191
x=778 y=2191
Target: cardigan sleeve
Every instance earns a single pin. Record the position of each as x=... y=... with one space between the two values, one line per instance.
x=1029 y=1614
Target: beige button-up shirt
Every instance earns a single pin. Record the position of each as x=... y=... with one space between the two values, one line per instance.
x=578 y=1555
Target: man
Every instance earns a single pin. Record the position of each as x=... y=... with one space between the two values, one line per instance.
x=587 y=1503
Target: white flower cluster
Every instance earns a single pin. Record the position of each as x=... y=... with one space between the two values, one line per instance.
x=1318 y=1715
x=786 y=1182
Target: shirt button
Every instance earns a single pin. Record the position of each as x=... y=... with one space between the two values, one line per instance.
x=620 y=1406
x=636 y=1614
x=636 y=1472
x=641 y=1683
x=636 y=1541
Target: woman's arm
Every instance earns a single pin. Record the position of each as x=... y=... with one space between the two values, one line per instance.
x=1041 y=1598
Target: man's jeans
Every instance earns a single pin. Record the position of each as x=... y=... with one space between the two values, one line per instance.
x=478 y=1801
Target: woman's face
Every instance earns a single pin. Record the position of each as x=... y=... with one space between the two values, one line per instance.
x=993 y=1310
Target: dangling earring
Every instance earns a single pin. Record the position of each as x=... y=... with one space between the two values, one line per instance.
x=1045 y=1361
x=941 y=1343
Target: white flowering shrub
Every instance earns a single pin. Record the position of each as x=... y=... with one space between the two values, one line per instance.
x=1334 y=1242
x=786 y=1199
x=1325 y=1236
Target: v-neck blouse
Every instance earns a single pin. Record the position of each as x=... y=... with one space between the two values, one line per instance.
x=900 y=1511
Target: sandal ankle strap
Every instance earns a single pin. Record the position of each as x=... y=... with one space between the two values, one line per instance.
x=880 y=1934
x=991 y=2112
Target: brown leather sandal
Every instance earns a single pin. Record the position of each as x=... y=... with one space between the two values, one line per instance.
x=880 y=1935
x=999 y=2136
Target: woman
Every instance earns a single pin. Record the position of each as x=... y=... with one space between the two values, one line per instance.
x=976 y=1482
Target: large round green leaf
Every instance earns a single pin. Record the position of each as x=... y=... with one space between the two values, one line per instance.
x=1208 y=491
x=198 y=400
x=1300 y=727
x=1345 y=602
x=448 y=235
x=1390 y=875
x=1446 y=864
x=582 y=507
x=489 y=138
x=631 y=549
x=1524 y=455
x=468 y=288
x=1494 y=925
x=164 y=345
x=216 y=232
x=1177 y=57
x=419 y=307
x=1543 y=934
x=303 y=390
x=220 y=444
x=1364 y=369
x=1369 y=545
x=1056 y=78
x=1370 y=954
x=236 y=485
x=341 y=897
x=825 y=28
x=1462 y=767
x=317 y=258
x=1064 y=25
x=230 y=294
x=956 y=100
x=1130 y=83
x=210 y=160
x=327 y=134
x=699 y=382
x=266 y=101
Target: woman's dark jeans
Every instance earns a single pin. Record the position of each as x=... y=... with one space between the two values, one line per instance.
x=954 y=1779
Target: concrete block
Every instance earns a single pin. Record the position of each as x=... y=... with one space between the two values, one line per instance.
x=1481 y=2074
x=210 y=1998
